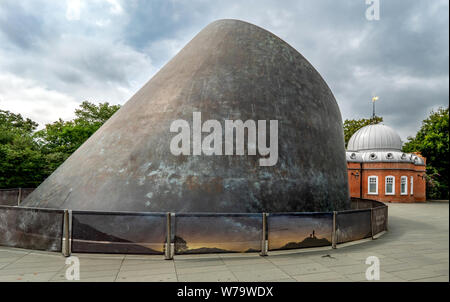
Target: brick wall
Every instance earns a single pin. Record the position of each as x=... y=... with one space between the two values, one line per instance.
x=360 y=172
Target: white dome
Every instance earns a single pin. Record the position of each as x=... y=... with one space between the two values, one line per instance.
x=373 y=156
x=375 y=137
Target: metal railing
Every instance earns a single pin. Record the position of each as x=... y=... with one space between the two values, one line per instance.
x=13 y=197
x=172 y=234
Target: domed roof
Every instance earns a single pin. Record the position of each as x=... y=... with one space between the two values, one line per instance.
x=384 y=156
x=375 y=137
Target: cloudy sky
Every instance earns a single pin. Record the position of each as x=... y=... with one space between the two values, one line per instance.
x=55 y=54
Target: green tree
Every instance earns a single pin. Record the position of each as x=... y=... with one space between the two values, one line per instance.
x=95 y=114
x=10 y=121
x=62 y=138
x=432 y=141
x=180 y=245
x=28 y=157
x=351 y=126
x=21 y=162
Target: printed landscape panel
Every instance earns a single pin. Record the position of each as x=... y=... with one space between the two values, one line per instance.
x=299 y=230
x=379 y=218
x=353 y=225
x=133 y=233
x=37 y=229
x=217 y=233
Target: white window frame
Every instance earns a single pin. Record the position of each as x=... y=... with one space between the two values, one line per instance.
x=405 y=179
x=393 y=185
x=376 y=185
x=412 y=185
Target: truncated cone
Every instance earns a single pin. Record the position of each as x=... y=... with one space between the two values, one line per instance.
x=231 y=70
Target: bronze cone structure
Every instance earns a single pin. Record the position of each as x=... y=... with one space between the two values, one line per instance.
x=230 y=70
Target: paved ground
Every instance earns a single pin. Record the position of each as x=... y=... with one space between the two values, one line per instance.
x=416 y=248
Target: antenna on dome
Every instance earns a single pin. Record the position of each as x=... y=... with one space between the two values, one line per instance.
x=375 y=98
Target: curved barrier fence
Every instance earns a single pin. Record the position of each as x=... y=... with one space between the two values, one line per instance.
x=172 y=234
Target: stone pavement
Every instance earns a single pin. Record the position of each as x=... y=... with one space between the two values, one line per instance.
x=416 y=248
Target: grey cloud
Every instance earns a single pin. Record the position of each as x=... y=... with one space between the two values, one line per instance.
x=403 y=57
x=155 y=20
x=20 y=27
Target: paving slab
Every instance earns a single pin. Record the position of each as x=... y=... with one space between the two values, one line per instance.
x=261 y=275
x=416 y=274
x=166 y=277
x=323 y=276
x=213 y=276
x=384 y=277
x=34 y=277
x=303 y=269
x=202 y=269
x=433 y=279
x=251 y=267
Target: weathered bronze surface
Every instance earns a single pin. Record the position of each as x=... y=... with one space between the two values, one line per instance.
x=353 y=225
x=38 y=229
x=230 y=70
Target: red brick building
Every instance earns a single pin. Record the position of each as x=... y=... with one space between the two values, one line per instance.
x=379 y=170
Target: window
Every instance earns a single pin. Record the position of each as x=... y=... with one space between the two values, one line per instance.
x=390 y=185
x=412 y=185
x=373 y=185
x=404 y=185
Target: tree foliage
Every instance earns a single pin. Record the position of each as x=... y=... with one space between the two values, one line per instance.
x=351 y=126
x=27 y=156
x=66 y=136
x=21 y=162
x=432 y=141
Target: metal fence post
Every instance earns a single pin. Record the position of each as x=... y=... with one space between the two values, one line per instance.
x=70 y=232
x=172 y=235
x=19 y=196
x=168 y=255
x=66 y=244
x=264 y=241
x=387 y=215
x=371 y=221
x=334 y=235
